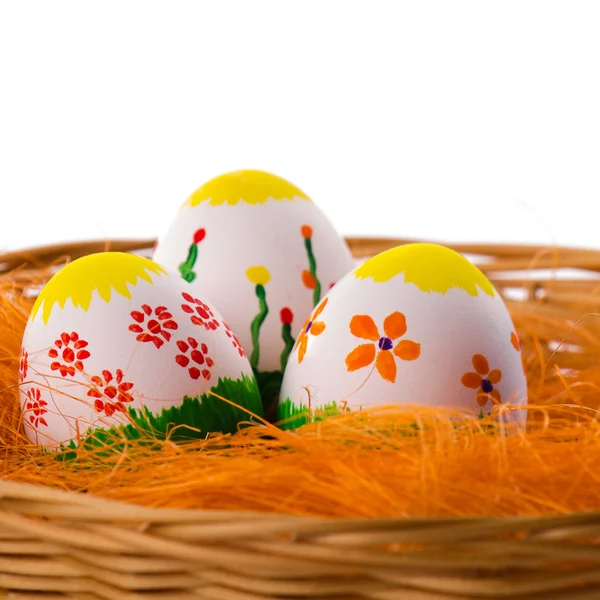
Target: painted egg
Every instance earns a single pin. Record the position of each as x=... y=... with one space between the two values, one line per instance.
x=418 y=324
x=256 y=246
x=113 y=337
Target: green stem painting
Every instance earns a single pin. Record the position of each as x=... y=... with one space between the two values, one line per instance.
x=312 y=269
x=256 y=324
x=186 y=268
x=289 y=341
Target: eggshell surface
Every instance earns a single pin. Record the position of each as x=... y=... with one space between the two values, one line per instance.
x=418 y=324
x=114 y=331
x=256 y=246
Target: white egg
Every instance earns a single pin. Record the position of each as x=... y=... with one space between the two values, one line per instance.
x=256 y=246
x=112 y=332
x=418 y=324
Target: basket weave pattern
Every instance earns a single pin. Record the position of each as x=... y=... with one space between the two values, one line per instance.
x=60 y=545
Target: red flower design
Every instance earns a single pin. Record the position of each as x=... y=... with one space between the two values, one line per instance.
x=23 y=364
x=110 y=396
x=71 y=350
x=35 y=404
x=159 y=320
x=201 y=313
x=287 y=316
x=234 y=340
x=199 y=236
x=197 y=354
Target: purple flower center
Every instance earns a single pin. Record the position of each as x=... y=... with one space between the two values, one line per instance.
x=309 y=326
x=385 y=343
x=486 y=386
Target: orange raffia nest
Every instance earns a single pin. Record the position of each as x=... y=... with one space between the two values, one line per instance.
x=362 y=465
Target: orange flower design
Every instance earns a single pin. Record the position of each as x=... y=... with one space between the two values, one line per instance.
x=514 y=340
x=310 y=327
x=483 y=380
x=383 y=350
x=306 y=231
x=309 y=280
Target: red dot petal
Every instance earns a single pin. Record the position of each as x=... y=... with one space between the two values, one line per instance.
x=68 y=355
x=182 y=361
x=197 y=357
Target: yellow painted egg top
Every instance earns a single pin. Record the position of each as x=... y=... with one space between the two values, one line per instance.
x=431 y=267
x=102 y=273
x=248 y=186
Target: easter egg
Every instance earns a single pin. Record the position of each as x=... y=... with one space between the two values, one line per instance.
x=416 y=325
x=115 y=337
x=262 y=251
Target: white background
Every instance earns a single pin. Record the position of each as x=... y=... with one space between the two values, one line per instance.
x=451 y=120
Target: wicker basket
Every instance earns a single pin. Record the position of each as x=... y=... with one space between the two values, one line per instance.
x=59 y=545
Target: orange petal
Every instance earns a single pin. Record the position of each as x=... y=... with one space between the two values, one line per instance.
x=361 y=356
x=481 y=364
x=482 y=399
x=317 y=328
x=308 y=279
x=320 y=308
x=363 y=326
x=496 y=397
x=495 y=376
x=302 y=348
x=514 y=340
x=386 y=365
x=394 y=325
x=471 y=380
x=407 y=350
x=302 y=334
x=306 y=231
